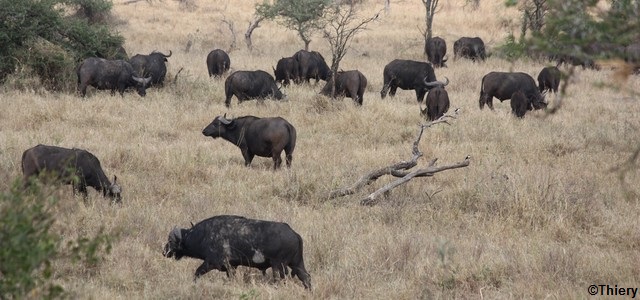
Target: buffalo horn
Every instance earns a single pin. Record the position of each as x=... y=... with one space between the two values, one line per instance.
x=175 y=235
x=144 y=81
x=436 y=83
x=224 y=120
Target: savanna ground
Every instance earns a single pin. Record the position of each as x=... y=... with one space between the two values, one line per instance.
x=538 y=213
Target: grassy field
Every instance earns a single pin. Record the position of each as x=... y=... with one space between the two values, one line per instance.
x=539 y=213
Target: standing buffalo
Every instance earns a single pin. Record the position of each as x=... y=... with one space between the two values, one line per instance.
x=519 y=104
x=435 y=48
x=248 y=85
x=472 y=48
x=409 y=75
x=218 y=62
x=502 y=85
x=348 y=83
x=312 y=65
x=151 y=65
x=225 y=242
x=74 y=166
x=264 y=137
x=437 y=103
x=549 y=79
x=287 y=70
x=109 y=75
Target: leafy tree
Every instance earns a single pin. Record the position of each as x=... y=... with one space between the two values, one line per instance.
x=39 y=35
x=30 y=245
x=303 y=16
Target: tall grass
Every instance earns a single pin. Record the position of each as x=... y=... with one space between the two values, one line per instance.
x=538 y=213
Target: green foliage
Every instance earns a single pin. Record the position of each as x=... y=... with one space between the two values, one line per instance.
x=27 y=243
x=511 y=49
x=40 y=36
x=579 y=28
x=303 y=16
x=30 y=245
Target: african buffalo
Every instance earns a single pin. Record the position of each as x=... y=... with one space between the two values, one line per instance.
x=437 y=103
x=567 y=59
x=502 y=85
x=287 y=70
x=264 y=137
x=151 y=65
x=312 y=65
x=348 y=83
x=472 y=48
x=225 y=242
x=74 y=166
x=549 y=79
x=435 y=48
x=519 y=104
x=109 y=75
x=248 y=85
x=409 y=75
x=218 y=62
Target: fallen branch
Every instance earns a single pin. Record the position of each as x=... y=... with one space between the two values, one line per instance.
x=372 y=199
x=400 y=169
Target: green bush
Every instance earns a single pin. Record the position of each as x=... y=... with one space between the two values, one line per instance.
x=30 y=245
x=43 y=37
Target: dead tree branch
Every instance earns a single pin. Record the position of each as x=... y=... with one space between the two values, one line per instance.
x=400 y=169
x=233 y=34
x=255 y=23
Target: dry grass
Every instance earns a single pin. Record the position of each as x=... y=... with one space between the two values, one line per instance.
x=537 y=214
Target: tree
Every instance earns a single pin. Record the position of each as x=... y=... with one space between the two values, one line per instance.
x=430 y=7
x=342 y=26
x=302 y=16
x=41 y=36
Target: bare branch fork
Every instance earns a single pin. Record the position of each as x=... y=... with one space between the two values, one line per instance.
x=400 y=169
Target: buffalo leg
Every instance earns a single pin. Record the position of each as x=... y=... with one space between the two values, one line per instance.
x=392 y=90
x=420 y=95
x=248 y=157
x=278 y=270
x=486 y=99
x=277 y=160
x=204 y=268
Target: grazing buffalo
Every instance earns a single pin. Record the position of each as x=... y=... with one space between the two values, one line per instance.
x=225 y=242
x=348 y=83
x=151 y=65
x=467 y=47
x=437 y=103
x=312 y=65
x=549 y=79
x=74 y=166
x=264 y=137
x=409 y=75
x=218 y=62
x=502 y=85
x=247 y=85
x=567 y=59
x=519 y=104
x=109 y=75
x=435 y=48
x=287 y=70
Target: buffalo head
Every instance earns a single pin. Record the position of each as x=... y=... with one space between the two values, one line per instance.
x=218 y=127
x=142 y=84
x=114 y=191
x=173 y=248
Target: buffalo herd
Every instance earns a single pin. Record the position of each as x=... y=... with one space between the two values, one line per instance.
x=225 y=242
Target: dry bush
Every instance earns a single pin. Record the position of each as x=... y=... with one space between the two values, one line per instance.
x=538 y=213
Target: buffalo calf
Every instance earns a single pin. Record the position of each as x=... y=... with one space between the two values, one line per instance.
x=264 y=137
x=348 y=83
x=437 y=103
x=549 y=79
x=247 y=85
x=519 y=104
x=63 y=164
x=225 y=242
x=218 y=62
